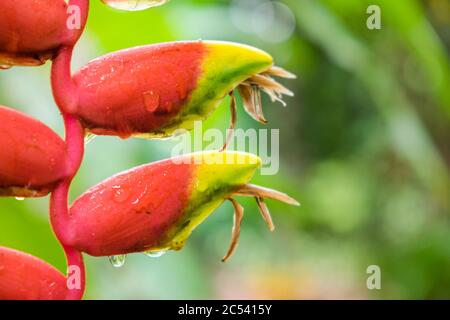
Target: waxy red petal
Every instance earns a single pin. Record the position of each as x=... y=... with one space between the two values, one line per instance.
x=24 y=277
x=151 y=91
x=156 y=206
x=131 y=211
x=137 y=90
x=32 y=156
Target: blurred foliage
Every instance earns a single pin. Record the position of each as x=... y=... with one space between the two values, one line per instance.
x=364 y=146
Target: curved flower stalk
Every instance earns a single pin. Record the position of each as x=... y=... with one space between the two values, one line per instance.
x=33 y=31
x=153 y=90
x=32 y=156
x=74 y=142
x=155 y=207
x=25 y=277
x=65 y=97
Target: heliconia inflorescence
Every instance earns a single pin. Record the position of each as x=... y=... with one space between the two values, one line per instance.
x=155 y=207
x=148 y=91
x=151 y=91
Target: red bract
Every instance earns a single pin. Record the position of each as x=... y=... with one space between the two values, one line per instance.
x=131 y=211
x=151 y=91
x=155 y=207
x=138 y=90
x=32 y=31
x=24 y=277
x=32 y=156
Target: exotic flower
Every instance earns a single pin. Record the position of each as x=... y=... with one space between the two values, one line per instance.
x=155 y=207
x=148 y=91
x=32 y=156
x=151 y=91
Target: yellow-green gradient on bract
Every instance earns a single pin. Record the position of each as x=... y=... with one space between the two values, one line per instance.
x=216 y=175
x=225 y=65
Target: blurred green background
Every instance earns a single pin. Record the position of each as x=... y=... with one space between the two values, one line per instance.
x=364 y=146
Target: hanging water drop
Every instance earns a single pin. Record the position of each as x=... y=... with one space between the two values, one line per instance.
x=134 y=5
x=89 y=137
x=20 y=198
x=117 y=261
x=155 y=254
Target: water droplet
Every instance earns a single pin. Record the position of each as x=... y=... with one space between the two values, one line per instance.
x=117 y=261
x=120 y=194
x=89 y=137
x=155 y=254
x=20 y=198
x=151 y=101
x=134 y=5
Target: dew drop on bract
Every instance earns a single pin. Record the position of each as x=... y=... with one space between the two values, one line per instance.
x=120 y=194
x=151 y=101
x=20 y=198
x=89 y=137
x=155 y=254
x=117 y=261
x=134 y=5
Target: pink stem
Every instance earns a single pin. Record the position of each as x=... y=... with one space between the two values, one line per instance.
x=66 y=97
x=59 y=210
x=75 y=259
x=63 y=86
x=74 y=143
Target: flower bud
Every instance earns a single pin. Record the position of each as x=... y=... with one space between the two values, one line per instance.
x=151 y=91
x=155 y=207
x=32 y=156
x=25 y=277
